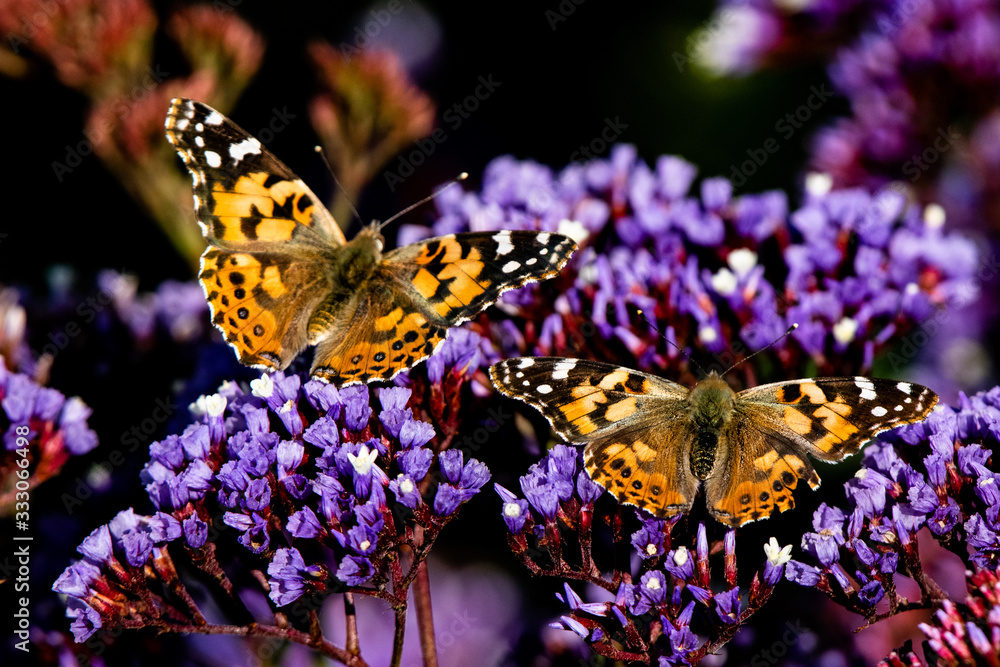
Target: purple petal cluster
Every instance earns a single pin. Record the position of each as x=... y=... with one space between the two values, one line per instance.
x=859 y=268
x=668 y=588
x=46 y=418
x=179 y=308
x=937 y=475
x=294 y=468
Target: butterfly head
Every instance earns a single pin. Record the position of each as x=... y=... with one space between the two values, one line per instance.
x=712 y=402
x=356 y=261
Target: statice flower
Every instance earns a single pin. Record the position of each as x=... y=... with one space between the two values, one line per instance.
x=966 y=633
x=885 y=56
x=935 y=476
x=650 y=617
x=325 y=489
x=664 y=256
x=41 y=429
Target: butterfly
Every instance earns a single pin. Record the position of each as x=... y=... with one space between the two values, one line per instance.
x=279 y=274
x=652 y=442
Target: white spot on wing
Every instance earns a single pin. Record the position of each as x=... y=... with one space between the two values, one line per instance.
x=525 y=362
x=511 y=266
x=544 y=389
x=248 y=146
x=531 y=261
x=868 y=395
x=214 y=118
x=879 y=411
x=213 y=159
x=543 y=238
x=504 y=245
x=904 y=387
x=199 y=141
x=182 y=123
x=562 y=369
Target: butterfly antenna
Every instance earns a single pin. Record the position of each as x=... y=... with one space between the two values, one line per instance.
x=347 y=197
x=776 y=340
x=664 y=337
x=460 y=177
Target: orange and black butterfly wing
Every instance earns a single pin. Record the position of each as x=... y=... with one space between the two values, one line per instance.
x=421 y=290
x=775 y=427
x=270 y=238
x=636 y=427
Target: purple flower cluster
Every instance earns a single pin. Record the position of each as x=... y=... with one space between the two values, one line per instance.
x=58 y=425
x=892 y=59
x=935 y=474
x=40 y=427
x=673 y=580
x=860 y=269
x=179 y=308
x=301 y=472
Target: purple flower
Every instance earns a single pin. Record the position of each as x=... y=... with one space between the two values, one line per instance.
x=86 y=621
x=414 y=433
x=802 y=574
x=97 y=546
x=777 y=558
x=304 y=523
x=448 y=498
x=515 y=510
x=195 y=531
x=76 y=580
x=587 y=489
x=355 y=570
x=727 y=605
x=357 y=411
x=258 y=495
x=406 y=491
x=648 y=540
x=652 y=591
x=288 y=574
x=542 y=494
x=164 y=528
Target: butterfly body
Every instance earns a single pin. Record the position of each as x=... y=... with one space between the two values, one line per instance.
x=653 y=443
x=279 y=274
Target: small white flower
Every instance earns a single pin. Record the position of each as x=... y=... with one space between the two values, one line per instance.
x=861 y=474
x=364 y=460
x=512 y=510
x=573 y=229
x=651 y=549
x=215 y=405
x=708 y=334
x=406 y=486
x=364 y=545
x=845 y=329
x=934 y=216
x=724 y=282
x=681 y=556
x=777 y=555
x=287 y=407
x=653 y=584
x=911 y=289
x=262 y=387
x=742 y=261
x=198 y=407
x=818 y=184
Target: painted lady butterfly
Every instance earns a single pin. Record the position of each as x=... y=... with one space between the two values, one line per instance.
x=279 y=274
x=652 y=442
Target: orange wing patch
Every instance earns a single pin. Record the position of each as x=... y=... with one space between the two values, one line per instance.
x=398 y=340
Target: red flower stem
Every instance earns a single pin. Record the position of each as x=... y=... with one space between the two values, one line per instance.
x=425 y=619
x=351 y=643
x=263 y=630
